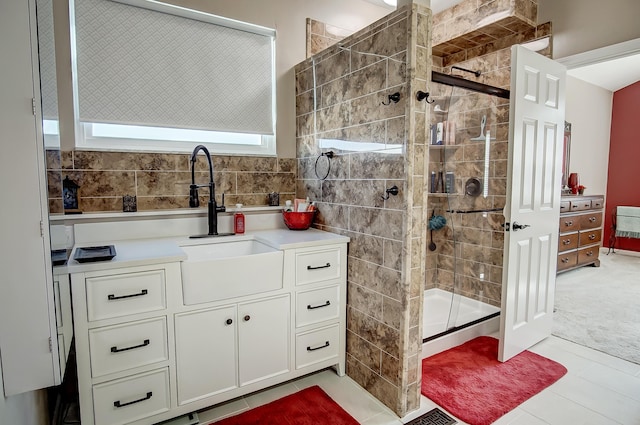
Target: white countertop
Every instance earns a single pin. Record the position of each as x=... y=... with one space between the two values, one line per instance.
x=132 y=253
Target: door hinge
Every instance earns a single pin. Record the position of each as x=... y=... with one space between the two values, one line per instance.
x=33 y=105
x=41 y=228
x=506 y=226
x=50 y=345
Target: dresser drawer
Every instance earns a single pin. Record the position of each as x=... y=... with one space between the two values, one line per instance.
x=317 y=266
x=132 y=398
x=565 y=206
x=588 y=255
x=597 y=203
x=567 y=242
x=317 y=306
x=123 y=294
x=569 y=223
x=117 y=348
x=590 y=237
x=591 y=221
x=317 y=346
x=567 y=260
x=581 y=205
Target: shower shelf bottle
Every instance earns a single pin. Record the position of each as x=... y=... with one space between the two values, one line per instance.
x=238 y=220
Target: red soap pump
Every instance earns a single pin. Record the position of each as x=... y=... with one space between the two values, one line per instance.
x=238 y=220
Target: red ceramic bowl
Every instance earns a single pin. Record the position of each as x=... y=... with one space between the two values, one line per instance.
x=298 y=220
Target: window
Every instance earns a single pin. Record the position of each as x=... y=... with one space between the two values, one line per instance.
x=153 y=76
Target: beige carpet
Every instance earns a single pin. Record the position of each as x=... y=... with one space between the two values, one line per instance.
x=599 y=307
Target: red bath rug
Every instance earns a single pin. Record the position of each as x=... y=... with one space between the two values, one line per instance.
x=470 y=382
x=311 y=406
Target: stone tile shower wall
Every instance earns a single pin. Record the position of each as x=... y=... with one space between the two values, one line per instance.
x=339 y=107
x=321 y=36
x=161 y=181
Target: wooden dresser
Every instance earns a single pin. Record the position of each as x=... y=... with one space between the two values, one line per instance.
x=580 y=231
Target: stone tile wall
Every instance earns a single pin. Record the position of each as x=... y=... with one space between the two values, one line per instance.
x=339 y=107
x=321 y=36
x=161 y=181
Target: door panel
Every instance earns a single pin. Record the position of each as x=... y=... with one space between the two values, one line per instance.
x=533 y=188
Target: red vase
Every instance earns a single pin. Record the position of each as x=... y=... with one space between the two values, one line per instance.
x=574 y=190
x=574 y=180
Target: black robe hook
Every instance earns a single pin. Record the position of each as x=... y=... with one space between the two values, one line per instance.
x=395 y=98
x=423 y=96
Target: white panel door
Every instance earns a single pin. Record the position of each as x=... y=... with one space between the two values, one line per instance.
x=28 y=338
x=263 y=339
x=532 y=209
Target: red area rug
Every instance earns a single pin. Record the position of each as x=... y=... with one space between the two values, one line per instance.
x=470 y=382
x=311 y=406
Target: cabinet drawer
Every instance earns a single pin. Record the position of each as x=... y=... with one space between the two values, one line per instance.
x=590 y=237
x=317 y=346
x=132 y=398
x=317 y=306
x=569 y=223
x=588 y=255
x=567 y=242
x=591 y=221
x=567 y=260
x=565 y=206
x=597 y=203
x=116 y=348
x=581 y=205
x=317 y=266
x=124 y=294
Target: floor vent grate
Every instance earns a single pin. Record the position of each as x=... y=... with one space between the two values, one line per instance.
x=433 y=417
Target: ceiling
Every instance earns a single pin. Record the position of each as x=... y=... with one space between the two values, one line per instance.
x=612 y=75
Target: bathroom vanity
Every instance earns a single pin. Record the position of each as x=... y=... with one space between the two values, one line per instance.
x=146 y=353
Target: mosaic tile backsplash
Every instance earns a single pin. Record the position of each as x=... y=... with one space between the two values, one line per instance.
x=161 y=180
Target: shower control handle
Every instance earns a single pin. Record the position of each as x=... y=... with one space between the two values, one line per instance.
x=515 y=226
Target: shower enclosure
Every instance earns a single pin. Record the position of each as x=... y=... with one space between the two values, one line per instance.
x=468 y=173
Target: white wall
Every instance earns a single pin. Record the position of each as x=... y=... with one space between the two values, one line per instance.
x=589 y=112
x=288 y=17
x=583 y=25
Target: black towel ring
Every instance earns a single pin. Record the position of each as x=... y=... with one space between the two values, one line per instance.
x=324 y=164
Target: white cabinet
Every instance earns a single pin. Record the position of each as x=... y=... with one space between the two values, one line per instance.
x=124 y=343
x=64 y=322
x=222 y=348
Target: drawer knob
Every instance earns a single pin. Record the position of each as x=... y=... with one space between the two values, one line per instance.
x=326 y=266
x=565 y=260
x=592 y=219
x=326 y=304
x=115 y=349
x=247 y=318
x=566 y=242
x=592 y=237
x=119 y=404
x=229 y=321
x=326 y=344
x=590 y=254
x=568 y=223
x=112 y=297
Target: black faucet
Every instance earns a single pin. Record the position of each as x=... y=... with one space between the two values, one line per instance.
x=194 y=201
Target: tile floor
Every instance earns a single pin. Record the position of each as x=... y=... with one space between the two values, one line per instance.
x=597 y=390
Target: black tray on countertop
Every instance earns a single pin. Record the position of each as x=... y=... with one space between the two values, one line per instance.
x=59 y=257
x=89 y=254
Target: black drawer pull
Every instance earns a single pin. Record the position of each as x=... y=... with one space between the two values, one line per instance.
x=112 y=297
x=326 y=304
x=119 y=350
x=592 y=237
x=592 y=219
x=326 y=344
x=326 y=266
x=147 y=397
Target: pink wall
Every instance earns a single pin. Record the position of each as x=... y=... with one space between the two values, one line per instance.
x=624 y=160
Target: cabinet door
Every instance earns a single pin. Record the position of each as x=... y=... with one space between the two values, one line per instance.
x=28 y=338
x=263 y=339
x=205 y=353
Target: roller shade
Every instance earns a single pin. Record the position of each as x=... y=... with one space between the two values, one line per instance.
x=139 y=66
